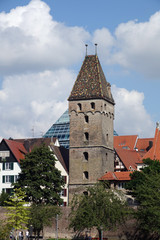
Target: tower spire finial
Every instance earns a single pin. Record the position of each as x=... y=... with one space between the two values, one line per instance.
x=96 y=48
x=86 y=48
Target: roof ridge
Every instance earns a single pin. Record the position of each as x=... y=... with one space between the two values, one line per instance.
x=100 y=82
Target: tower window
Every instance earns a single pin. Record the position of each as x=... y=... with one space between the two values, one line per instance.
x=85 y=193
x=105 y=107
x=85 y=175
x=79 y=105
x=86 y=136
x=85 y=154
x=106 y=156
x=86 y=118
x=107 y=138
x=92 y=105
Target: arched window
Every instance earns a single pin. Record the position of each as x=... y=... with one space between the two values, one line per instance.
x=92 y=105
x=85 y=193
x=86 y=118
x=85 y=154
x=86 y=136
x=85 y=175
x=79 y=105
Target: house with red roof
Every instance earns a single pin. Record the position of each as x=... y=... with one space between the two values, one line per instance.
x=117 y=179
x=14 y=150
x=10 y=154
x=154 y=151
x=129 y=154
x=126 y=160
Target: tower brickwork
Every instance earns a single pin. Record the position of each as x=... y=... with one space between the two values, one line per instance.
x=91 y=110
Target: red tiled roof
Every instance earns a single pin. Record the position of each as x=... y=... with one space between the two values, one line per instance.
x=154 y=152
x=129 y=158
x=17 y=149
x=116 y=176
x=125 y=141
x=30 y=143
x=143 y=144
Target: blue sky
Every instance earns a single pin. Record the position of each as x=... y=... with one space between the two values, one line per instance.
x=42 y=49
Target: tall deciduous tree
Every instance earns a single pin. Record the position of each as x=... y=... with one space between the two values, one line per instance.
x=40 y=178
x=100 y=208
x=41 y=215
x=17 y=213
x=145 y=187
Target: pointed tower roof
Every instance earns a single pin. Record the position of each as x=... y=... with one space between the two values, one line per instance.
x=91 y=82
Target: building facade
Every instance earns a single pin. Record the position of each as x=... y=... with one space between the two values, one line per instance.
x=12 y=151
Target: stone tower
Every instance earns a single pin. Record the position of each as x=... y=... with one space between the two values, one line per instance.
x=91 y=110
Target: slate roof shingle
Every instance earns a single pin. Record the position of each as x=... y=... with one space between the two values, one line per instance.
x=91 y=82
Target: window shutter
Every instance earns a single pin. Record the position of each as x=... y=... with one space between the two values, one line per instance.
x=65 y=192
x=3 y=179
x=12 y=179
x=64 y=179
x=3 y=166
x=11 y=165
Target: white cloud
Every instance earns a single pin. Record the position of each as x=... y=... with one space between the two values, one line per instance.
x=134 y=45
x=106 y=42
x=33 y=100
x=35 y=51
x=32 y=41
x=131 y=117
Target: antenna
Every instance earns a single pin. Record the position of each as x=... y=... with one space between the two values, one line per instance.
x=96 y=48
x=86 y=48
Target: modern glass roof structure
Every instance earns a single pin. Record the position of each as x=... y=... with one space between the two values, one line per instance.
x=60 y=129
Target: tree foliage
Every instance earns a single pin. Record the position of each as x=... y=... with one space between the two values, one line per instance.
x=100 y=208
x=40 y=178
x=145 y=187
x=3 y=198
x=41 y=215
x=5 y=229
x=17 y=212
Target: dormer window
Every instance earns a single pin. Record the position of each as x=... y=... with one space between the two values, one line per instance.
x=93 y=105
x=79 y=106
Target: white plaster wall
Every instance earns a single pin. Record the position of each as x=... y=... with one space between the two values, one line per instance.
x=59 y=166
x=16 y=170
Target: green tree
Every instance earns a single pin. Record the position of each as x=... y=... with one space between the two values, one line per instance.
x=4 y=230
x=17 y=213
x=40 y=178
x=145 y=187
x=3 y=198
x=100 y=208
x=41 y=215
